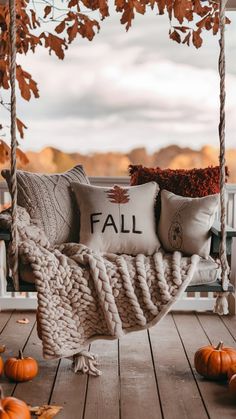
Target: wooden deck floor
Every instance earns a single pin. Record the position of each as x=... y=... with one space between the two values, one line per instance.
x=147 y=375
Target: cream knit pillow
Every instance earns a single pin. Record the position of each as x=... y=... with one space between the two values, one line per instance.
x=49 y=201
x=118 y=219
x=185 y=223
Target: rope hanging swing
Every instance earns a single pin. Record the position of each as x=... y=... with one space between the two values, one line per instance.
x=13 y=191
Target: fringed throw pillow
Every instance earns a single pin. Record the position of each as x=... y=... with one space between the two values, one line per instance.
x=118 y=219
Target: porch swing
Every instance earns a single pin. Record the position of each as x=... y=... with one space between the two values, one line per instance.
x=222 y=235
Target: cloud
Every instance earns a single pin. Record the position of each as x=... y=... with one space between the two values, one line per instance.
x=125 y=90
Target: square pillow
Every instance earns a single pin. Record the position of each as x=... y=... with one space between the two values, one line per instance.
x=185 y=223
x=50 y=202
x=193 y=183
x=118 y=219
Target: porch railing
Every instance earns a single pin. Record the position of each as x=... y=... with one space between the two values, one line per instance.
x=194 y=301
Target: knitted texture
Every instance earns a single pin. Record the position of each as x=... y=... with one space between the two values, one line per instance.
x=83 y=295
x=50 y=202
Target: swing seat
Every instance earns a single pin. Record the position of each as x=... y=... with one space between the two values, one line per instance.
x=204 y=287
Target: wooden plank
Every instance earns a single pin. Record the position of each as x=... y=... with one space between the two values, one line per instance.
x=177 y=386
x=69 y=391
x=230 y=323
x=103 y=392
x=215 y=329
x=139 y=396
x=15 y=336
x=216 y=396
x=4 y=318
x=38 y=391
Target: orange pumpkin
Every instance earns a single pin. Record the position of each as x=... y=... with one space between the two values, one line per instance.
x=12 y=408
x=214 y=362
x=21 y=369
x=1 y=365
x=2 y=349
x=232 y=385
x=231 y=371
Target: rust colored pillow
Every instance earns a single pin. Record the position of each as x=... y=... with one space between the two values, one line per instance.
x=193 y=183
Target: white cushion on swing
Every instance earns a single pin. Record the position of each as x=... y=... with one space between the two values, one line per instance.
x=185 y=223
x=207 y=271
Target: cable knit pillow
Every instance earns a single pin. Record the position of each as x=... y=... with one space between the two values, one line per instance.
x=49 y=201
x=185 y=223
x=118 y=219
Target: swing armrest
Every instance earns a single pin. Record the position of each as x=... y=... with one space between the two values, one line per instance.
x=5 y=235
x=216 y=230
x=216 y=236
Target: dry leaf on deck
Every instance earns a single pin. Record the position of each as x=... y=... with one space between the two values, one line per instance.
x=2 y=348
x=45 y=411
x=23 y=321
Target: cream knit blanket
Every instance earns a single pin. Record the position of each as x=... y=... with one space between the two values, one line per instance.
x=84 y=296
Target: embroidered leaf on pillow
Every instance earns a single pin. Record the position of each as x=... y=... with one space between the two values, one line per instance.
x=118 y=195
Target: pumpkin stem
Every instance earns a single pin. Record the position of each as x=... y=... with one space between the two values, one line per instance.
x=219 y=346
x=20 y=356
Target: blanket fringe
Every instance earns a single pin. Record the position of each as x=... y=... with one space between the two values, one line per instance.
x=221 y=304
x=85 y=362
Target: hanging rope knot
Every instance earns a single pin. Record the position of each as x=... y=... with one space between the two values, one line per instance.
x=221 y=304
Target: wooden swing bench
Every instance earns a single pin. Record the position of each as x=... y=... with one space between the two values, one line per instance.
x=211 y=287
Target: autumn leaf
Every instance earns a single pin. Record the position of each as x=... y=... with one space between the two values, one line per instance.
x=45 y=411
x=23 y=321
x=47 y=11
x=197 y=40
x=20 y=126
x=26 y=84
x=54 y=43
x=2 y=348
x=61 y=27
x=187 y=39
x=72 y=31
x=118 y=195
x=34 y=19
x=175 y=36
x=139 y=7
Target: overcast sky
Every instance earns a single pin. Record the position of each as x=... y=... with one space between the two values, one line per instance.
x=125 y=90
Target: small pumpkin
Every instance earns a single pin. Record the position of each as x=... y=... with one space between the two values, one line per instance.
x=12 y=408
x=1 y=366
x=21 y=369
x=232 y=385
x=2 y=349
x=214 y=362
x=231 y=371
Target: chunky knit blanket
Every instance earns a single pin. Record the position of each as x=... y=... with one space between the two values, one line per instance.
x=84 y=296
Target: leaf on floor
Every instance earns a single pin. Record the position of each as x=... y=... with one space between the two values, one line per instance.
x=45 y=411
x=23 y=321
x=2 y=348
